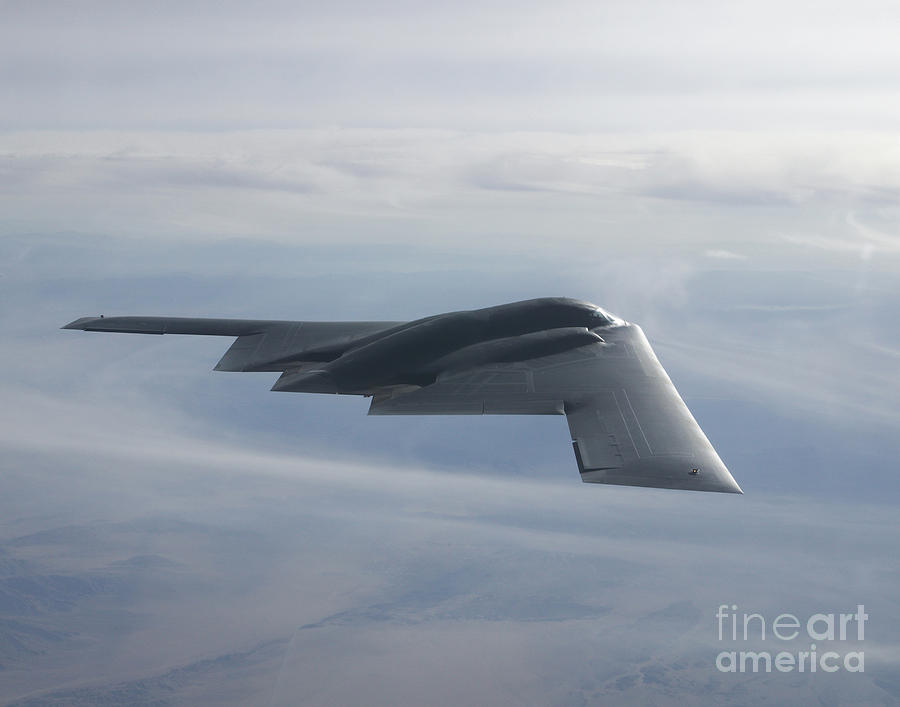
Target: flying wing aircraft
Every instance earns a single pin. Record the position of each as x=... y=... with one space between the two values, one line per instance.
x=548 y=356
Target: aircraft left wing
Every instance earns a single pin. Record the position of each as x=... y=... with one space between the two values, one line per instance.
x=261 y=344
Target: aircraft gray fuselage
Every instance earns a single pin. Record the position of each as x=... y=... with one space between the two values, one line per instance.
x=417 y=352
x=551 y=355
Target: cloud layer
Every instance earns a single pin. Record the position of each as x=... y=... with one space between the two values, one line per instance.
x=577 y=66
x=235 y=575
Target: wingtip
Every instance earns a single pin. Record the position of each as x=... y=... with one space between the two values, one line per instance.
x=80 y=323
x=732 y=487
x=725 y=483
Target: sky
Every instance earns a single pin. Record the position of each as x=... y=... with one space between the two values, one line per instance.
x=726 y=176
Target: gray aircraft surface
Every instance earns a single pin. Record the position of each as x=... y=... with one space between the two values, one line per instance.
x=549 y=356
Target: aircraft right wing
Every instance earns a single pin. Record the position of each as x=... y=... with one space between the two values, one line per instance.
x=628 y=424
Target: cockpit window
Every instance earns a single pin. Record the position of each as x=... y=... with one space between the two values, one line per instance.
x=601 y=317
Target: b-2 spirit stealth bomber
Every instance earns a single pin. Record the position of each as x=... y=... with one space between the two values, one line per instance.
x=548 y=356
